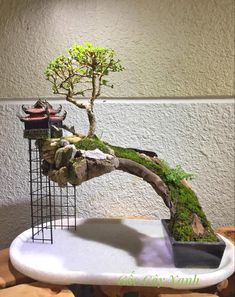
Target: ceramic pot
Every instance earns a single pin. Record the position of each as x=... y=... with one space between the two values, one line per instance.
x=194 y=254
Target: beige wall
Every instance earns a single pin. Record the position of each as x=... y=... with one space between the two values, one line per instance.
x=169 y=47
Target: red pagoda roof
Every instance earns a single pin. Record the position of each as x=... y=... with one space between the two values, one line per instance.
x=42 y=111
x=41 y=107
x=52 y=118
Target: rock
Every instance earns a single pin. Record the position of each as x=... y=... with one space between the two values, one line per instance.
x=80 y=169
x=59 y=176
x=73 y=139
x=86 y=169
x=62 y=176
x=48 y=150
x=64 y=154
x=96 y=154
x=64 y=142
x=49 y=156
x=50 y=144
x=186 y=183
x=197 y=225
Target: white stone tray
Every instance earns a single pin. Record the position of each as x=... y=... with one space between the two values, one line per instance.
x=112 y=252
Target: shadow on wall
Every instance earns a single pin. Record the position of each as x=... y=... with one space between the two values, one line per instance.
x=14 y=219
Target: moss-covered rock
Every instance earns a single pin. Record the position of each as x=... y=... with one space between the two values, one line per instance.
x=184 y=199
x=92 y=144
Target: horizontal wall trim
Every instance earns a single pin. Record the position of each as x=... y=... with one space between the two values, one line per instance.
x=123 y=100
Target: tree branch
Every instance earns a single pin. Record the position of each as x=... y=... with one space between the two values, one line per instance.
x=82 y=91
x=73 y=101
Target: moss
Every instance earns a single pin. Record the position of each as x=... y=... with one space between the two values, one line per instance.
x=92 y=144
x=169 y=175
x=187 y=203
x=131 y=154
x=184 y=199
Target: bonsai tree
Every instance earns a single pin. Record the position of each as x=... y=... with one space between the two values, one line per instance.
x=83 y=72
x=77 y=159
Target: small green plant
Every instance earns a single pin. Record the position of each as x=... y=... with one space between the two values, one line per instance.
x=83 y=72
x=174 y=175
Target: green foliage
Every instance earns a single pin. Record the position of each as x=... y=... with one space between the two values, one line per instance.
x=174 y=175
x=82 y=70
x=61 y=74
x=96 y=59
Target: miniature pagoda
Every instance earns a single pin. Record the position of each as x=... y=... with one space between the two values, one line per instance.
x=42 y=120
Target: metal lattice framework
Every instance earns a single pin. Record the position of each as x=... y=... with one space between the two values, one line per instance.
x=51 y=206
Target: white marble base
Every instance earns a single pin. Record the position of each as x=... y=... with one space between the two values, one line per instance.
x=112 y=252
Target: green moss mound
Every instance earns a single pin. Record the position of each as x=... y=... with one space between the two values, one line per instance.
x=92 y=144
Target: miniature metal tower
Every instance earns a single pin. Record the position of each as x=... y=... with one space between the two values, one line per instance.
x=51 y=206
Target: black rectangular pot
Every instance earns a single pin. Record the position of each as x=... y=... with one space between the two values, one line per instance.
x=194 y=254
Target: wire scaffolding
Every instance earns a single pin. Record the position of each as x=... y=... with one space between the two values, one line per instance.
x=51 y=206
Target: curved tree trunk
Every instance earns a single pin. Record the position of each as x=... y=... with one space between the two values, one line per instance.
x=87 y=169
x=153 y=179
